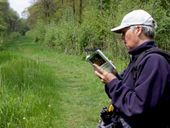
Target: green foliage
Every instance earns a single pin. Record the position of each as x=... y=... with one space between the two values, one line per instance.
x=66 y=33
x=163 y=18
x=57 y=39
x=38 y=32
x=14 y=35
x=71 y=37
x=94 y=31
x=9 y=22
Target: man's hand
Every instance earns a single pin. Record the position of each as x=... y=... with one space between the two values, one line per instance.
x=105 y=76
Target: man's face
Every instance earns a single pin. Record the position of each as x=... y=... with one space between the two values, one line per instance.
x=130 y=37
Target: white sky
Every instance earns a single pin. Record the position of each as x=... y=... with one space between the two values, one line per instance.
x=19 y=5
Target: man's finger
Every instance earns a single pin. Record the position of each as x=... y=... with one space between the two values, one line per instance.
x=98 y=68
x=99 y=74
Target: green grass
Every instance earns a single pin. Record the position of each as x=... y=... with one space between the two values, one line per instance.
x=41 y=88
x=26 y=93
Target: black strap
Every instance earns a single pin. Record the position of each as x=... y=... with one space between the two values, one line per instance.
x=156 y=50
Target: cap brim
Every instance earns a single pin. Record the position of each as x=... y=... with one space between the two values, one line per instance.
x=118 y=29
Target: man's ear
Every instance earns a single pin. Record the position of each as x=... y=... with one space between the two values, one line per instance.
x=138 y=30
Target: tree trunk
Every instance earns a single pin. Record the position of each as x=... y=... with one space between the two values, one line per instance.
x=80 y=11
x=101 y=7
x=74 y=9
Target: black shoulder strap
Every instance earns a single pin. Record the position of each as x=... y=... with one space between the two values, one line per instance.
x=156 y=50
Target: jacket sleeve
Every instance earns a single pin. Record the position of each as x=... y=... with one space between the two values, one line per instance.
x=106 y=88
x=148 y=88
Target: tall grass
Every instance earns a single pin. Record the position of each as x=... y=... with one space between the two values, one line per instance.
x=25 y=95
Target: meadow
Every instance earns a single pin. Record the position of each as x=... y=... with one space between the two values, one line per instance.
x=42 y=88
x=45 y=81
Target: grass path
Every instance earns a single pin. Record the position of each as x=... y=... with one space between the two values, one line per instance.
x=81 y=94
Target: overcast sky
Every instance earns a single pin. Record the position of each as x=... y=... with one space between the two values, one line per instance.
x=19 y=5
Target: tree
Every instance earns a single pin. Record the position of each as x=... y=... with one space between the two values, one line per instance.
x=43 y=9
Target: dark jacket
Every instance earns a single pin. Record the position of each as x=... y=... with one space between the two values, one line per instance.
x=143 y=102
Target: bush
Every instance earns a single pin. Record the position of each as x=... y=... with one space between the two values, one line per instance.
x=14 y=35
x=70 y=36
x=37 y=33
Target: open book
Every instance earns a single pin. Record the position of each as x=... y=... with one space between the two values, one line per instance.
x=98 y=57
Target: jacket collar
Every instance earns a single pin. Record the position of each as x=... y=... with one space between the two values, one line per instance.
x=146 y=45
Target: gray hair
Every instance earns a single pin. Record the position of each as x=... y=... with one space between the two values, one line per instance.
x=148 y=31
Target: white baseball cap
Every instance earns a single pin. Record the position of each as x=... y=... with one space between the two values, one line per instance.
x=136 y=17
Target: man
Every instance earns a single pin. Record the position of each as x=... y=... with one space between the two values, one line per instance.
x=142 y=102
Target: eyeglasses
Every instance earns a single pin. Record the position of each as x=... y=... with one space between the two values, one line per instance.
x=126 y=29
x=124 y=32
